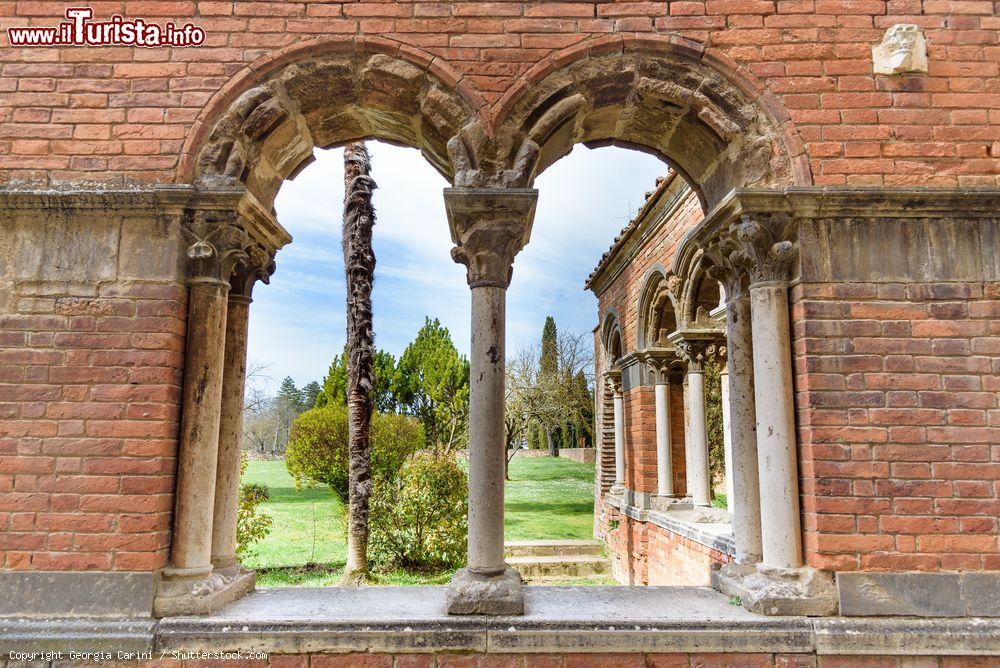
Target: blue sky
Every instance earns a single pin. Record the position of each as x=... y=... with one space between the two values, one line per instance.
x=297 y=322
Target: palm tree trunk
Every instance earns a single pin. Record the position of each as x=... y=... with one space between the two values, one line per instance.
x=359 y=265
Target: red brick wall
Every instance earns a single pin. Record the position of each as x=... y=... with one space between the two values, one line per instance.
x=674 y=560
x=643 y=553
x=898 y=415
x=626 y=540
x=622 y=297
x=899 y=424
x=91 y=392
x=114 y=113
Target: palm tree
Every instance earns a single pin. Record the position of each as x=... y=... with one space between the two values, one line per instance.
x=359 y=265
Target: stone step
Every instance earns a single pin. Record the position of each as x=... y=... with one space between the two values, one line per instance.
x=560 y=565
x=539 y=548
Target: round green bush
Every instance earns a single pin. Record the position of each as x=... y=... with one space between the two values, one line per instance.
x=418 y=520
x=317 y=446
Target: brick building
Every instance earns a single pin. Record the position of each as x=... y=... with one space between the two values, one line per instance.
x=846 y=165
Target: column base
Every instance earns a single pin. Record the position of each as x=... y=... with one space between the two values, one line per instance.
x=669 y=502
x=203 y=594
x=778 y=591
x=474 y=594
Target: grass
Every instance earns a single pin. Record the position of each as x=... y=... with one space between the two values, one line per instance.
x=545 y=499
x=549 y=498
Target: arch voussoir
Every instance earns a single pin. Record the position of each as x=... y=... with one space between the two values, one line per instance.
x=692 y=106
x=326 y=96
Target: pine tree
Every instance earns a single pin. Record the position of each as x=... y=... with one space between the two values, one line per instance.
x=431 y=383
x=549 y=367
x=309 y=394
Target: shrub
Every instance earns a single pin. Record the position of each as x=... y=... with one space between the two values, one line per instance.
x=251 y=527
x=419 y=520
x=317 y=446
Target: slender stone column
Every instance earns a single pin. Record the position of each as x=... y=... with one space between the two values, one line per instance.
x=189 y=586
x=738 y=403
x=191 y=549
x=664 y=474
x=773 y=396
x=778 y=583
x=694 y=347
x=489 y=226
x=614 y=380
x=701 y=493
x=486 y=429
x=659 y=365
x=727 y=439
x=779 y=476
x=227 y=477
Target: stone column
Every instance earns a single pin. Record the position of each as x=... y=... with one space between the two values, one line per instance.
x=779 y=584
x=773 y=397
x=614 y=381
x=191 y=549
x=227 y=477
x=694 y=348
x=727 y=439
x=664 y=474
x=659 y=366
x=216 y=246
x=738 y=404
x=488 y=226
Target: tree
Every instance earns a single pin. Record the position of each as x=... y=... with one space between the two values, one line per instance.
x=548 y=364
x=359 y=265
x=431 y=383
x=287 y=406
x=334 y=388
x=309 y=394
x=552 y=400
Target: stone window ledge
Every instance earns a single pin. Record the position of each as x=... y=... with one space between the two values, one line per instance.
x=558 y=619
x=682 y=519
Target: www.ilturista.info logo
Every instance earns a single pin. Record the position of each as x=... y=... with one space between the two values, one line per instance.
x=80 y=30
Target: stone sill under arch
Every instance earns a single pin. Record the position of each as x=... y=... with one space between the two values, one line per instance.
x=558 y=620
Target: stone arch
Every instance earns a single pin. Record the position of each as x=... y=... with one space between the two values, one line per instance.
x=611 y=338
x=262 y=127
x=699 y=293
x=656 y=309
x=701 y=112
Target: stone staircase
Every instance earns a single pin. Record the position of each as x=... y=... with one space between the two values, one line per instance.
x=548 y=561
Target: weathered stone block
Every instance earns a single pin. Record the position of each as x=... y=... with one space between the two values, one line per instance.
x=920 y=594
x=68 y=594
x=473 y=594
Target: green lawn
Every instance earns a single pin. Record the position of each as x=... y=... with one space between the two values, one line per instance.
x=549 y=498
x=546 y=499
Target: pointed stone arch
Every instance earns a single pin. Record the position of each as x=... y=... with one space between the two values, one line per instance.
x=701 y=112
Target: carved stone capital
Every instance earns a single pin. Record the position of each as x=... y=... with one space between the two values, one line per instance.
x=732 y=275
x=258 y=266
x=216 y=245
x=489 y=227
x=752 y=246
x=505 y=158
x=660 y=362
x=613 y=380
x=696 y=348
